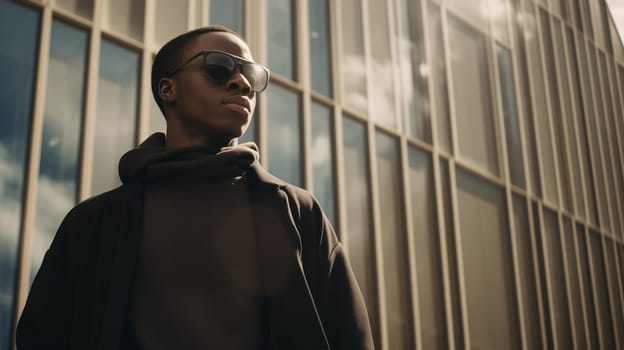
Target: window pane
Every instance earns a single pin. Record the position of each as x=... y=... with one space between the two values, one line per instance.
x=597 y=23
x=620 y=255
x=510 y=112
x=590 y=310
x=280 y=37
x=543 y=276
x=412 y=64
x=320 y=59
x=18 y=55
x=555 y=7
x=601 y=289
x=229 y=13
x=614 y=291
x=568 y=115
x=526 y=266
x=170 y=20
x=575 y=13
x=523 y=36
x=498 y=12
x=353 y=65
x=607 y=129
x=358 y=223
x=82 y=8
x=561 y=161
x=437 y=69
x=126 y=17
x=473 y=96
x=323 y=159
x=157 y=122
x=557 y=281
x=586 y=16
x=594 y=132
x=283 y=127
x=472 y=11
x=381 y=66
x=116 y=113
x=576 y=302
x=581 y=129
x=250 y=134
x=427 y=244
x=60 y=144
x=394 y=244
x=540 y=108
x=487 y=263
x=617 y=129
x=452 y=254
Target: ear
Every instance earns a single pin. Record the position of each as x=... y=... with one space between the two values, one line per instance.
x=167 y=89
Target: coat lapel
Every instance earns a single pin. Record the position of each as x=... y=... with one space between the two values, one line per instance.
x=294 y=320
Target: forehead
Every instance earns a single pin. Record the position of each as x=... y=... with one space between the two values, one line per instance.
x=220 y=41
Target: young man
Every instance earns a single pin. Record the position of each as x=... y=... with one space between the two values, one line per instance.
x=200 y=248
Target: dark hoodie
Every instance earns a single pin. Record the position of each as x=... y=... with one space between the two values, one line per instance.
x=90 y=292
x=198 y=283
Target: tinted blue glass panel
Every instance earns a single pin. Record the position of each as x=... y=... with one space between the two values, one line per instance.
x=320 y=63
x=283 y=133
x=322 y=159
x=353 y=58
x=427 y=249
x=229 y=13
x=157 y=122
x=358 y=221
x=58 y=169
x=116 y=113
x=394 y=243
x=381 y=66
x=18 y=55
x=510 y=110
x=414 y=79
x=280 y=37
x=250 y=134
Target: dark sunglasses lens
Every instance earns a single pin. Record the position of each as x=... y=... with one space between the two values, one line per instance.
x=219 y=66
x=256 y=76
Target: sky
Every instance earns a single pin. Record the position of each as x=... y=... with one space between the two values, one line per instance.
x=617 y=11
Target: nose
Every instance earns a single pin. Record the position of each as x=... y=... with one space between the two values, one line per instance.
x=239 y=82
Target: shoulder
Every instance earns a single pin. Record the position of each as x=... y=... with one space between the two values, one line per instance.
x=88 y=210
x=300 y=200
x=303 y=199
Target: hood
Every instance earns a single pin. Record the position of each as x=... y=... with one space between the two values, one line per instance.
x=152 y=160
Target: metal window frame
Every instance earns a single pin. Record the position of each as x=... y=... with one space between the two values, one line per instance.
x=255 y=24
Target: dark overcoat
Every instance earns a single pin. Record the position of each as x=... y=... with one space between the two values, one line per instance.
x=80 y=298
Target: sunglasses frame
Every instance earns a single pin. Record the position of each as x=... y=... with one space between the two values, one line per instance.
x=238 y=62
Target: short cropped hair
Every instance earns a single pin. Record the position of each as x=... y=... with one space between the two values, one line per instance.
x=169 y=56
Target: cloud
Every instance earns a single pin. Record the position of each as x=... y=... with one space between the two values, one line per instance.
x=54 y=199
x=321 y=150
x=11 y=173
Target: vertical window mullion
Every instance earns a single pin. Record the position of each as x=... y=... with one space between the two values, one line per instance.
x=60 y=146
x=24 y=59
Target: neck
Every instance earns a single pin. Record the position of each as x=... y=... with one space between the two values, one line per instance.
x=179 y=136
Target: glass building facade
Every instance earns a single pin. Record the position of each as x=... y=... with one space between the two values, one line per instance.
x=469 y=153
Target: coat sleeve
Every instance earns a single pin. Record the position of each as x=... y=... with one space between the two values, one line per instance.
x=346 y=319
x=45 y=322
x=340 y=302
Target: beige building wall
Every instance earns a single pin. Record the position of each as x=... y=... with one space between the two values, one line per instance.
x=470 y=154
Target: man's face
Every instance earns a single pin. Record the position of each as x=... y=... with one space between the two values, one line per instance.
x=221 y=110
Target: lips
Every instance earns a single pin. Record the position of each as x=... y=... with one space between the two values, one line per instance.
x=238 y=100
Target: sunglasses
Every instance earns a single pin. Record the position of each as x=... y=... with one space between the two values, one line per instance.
x=220 y=66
